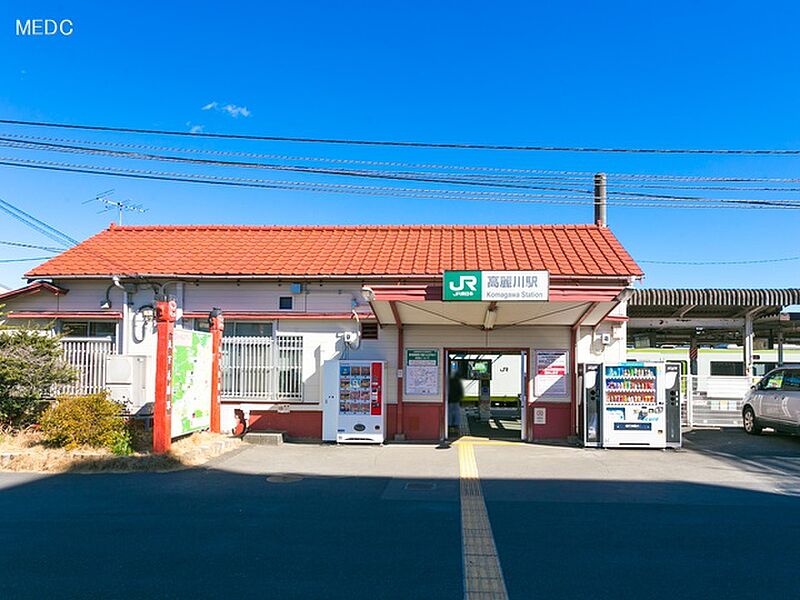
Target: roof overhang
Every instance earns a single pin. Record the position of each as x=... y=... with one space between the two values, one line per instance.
x=422 y=304
x=274 y=316
x=365 y=277
x=34 y=288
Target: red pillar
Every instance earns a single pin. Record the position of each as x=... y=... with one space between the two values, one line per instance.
x=216 y=324
x=166 y=313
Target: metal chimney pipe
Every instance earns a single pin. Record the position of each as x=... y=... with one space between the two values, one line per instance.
x=600 y=217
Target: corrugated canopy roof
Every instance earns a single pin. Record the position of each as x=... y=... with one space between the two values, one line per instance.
x=715 y=297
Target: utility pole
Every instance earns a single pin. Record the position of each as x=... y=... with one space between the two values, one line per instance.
x=600 y=217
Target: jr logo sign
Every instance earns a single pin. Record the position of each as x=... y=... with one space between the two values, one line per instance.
x=462 y=285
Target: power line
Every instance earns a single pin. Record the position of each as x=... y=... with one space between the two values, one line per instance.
x=560 y=176
x=719 y=262
x=780 y=202
x=36 y=224
x=284 y=184
x=32 y=258
x=485 y=196
x=402 y=177
x=290 y=168
x=23 y=245
x=401 y=144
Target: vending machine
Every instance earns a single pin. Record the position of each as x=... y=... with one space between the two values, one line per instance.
x=590 y=384
x=361 y=402
x=672 y=388
x=634 y=406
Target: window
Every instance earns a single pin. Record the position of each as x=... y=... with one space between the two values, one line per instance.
x=727 y=368
x=252 y=328
x=89 y=328
x=247 y=329
x=202 y=325
x=369 y=331
x=285 y=302
x=762 y=368
x=772 y=381
x=236 y=328
x=791 y=381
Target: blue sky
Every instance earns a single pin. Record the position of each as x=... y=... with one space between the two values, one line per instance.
x=611 y=74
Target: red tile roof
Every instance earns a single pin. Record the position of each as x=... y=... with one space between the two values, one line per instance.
x=358 y=250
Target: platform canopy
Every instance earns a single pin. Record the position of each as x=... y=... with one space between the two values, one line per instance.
x=422 y=304
x=711 y=315
x=696 y=317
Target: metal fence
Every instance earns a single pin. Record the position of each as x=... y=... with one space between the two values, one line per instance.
x=714 y=401
x=88 y=357
x=263 y=368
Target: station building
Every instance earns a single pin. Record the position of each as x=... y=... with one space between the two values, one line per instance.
x=295 y=298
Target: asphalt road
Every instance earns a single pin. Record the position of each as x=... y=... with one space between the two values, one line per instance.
x=720 y=520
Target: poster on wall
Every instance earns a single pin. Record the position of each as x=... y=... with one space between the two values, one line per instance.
x=192 y=363
x=550 y=373
x=422 y=372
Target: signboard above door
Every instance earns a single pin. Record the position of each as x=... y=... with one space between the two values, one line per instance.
x=496 y=286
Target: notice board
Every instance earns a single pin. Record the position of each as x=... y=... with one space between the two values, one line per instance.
x=192 y=362
x=550 y=373
x=422 y=372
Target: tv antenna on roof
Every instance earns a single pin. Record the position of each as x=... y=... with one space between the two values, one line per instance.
x=111 y=204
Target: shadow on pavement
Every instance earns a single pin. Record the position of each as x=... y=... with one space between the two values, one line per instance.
x=211 y=533
x=768 y=453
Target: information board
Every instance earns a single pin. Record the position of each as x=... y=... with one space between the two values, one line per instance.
x=550 y=373
x=191 y=381
x=422 y=372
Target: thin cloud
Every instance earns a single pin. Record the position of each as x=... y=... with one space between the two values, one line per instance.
x=232 y=110
x=194 y=128
x=236 y=111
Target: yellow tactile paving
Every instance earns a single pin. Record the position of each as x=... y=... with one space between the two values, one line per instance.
x=483 y=577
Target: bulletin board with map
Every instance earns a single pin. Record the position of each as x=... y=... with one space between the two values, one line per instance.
x=192 y=361
x=422 y=372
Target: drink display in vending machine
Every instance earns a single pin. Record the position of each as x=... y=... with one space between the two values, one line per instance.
x=361 y=402
x=634 y=408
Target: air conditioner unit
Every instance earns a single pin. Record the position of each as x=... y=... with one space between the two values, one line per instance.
x=126 y=380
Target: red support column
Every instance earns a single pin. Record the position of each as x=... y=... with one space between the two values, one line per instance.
x=216 y=325
x=166 y=313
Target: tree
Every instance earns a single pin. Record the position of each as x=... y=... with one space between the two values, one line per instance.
x=31 y=363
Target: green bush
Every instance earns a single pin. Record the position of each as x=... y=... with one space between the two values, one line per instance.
x=93 y=420
x=31 y=363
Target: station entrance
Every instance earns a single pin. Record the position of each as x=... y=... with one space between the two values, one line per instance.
x=486 y=393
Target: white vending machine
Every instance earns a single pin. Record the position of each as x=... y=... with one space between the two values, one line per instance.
x=634 y=412
x=355 y=404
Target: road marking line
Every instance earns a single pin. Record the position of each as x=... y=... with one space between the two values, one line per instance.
x=483 y=577
x=479 y=441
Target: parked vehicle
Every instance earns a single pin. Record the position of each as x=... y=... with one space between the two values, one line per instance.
x=773 y=402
